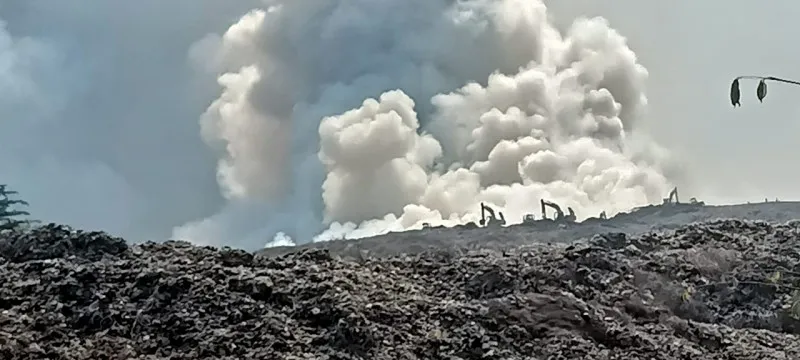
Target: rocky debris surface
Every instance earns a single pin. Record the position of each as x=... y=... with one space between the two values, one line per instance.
x=720 y=290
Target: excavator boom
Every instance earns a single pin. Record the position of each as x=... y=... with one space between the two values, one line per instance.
x=554 y=206
x=492 y=216
x=544 y=213
x=673 y=195
x=491 y=212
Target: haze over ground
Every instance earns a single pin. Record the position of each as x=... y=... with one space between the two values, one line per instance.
x=102 y=106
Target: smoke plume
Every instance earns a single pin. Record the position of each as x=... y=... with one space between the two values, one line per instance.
x=352 y=118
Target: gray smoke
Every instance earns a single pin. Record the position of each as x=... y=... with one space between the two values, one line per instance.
x=251 y=122
x=346 y=119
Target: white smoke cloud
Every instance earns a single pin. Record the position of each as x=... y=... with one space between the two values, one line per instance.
x=466 y=102
x=375 y=160
x=99 y=110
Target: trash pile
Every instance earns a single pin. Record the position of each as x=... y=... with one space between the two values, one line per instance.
x=719 y=290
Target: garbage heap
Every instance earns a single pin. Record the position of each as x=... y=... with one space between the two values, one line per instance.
x=718 y=290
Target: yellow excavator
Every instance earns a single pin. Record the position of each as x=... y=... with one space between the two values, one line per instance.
x=559 y=214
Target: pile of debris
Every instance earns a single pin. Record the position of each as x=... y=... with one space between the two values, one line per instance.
x=721 y=290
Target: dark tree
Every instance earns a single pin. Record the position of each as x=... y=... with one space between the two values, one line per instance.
x=9 y=216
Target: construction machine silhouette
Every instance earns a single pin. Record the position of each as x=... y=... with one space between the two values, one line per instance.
x=529 y=219
x=673 y=197
x=670 y=205
x=674 y=200
x=492 y=219
x=559 y=217
x=599 y=219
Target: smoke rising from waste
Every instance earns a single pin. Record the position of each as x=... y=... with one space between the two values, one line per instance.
x=347 y=119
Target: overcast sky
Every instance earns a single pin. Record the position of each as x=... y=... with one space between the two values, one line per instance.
x=84 y=84
x=693 y=49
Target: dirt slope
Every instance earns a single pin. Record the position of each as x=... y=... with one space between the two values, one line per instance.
x=719 y=290
x=633 y=223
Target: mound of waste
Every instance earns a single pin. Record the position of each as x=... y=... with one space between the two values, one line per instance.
x=719 y=290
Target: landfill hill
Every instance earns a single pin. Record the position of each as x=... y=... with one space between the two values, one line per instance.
x=651 y=218
x=723 y=289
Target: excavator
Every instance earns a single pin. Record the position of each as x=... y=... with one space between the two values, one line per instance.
x=492 y=219
x=529 y=219
x=559 y=214
x=673 y=197
x=599 y=219
x=674 y=200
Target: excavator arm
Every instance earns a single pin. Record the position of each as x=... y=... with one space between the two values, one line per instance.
x=492 y=216
x=571 y=217
x=544 y=213
x=484 y=210
x=487 y=209
x=673 y=195
x=552 y=205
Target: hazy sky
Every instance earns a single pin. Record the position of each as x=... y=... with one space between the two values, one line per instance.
x=100 y=102
x=693 y=49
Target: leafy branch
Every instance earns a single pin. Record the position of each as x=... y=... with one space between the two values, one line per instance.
x=761 y=90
